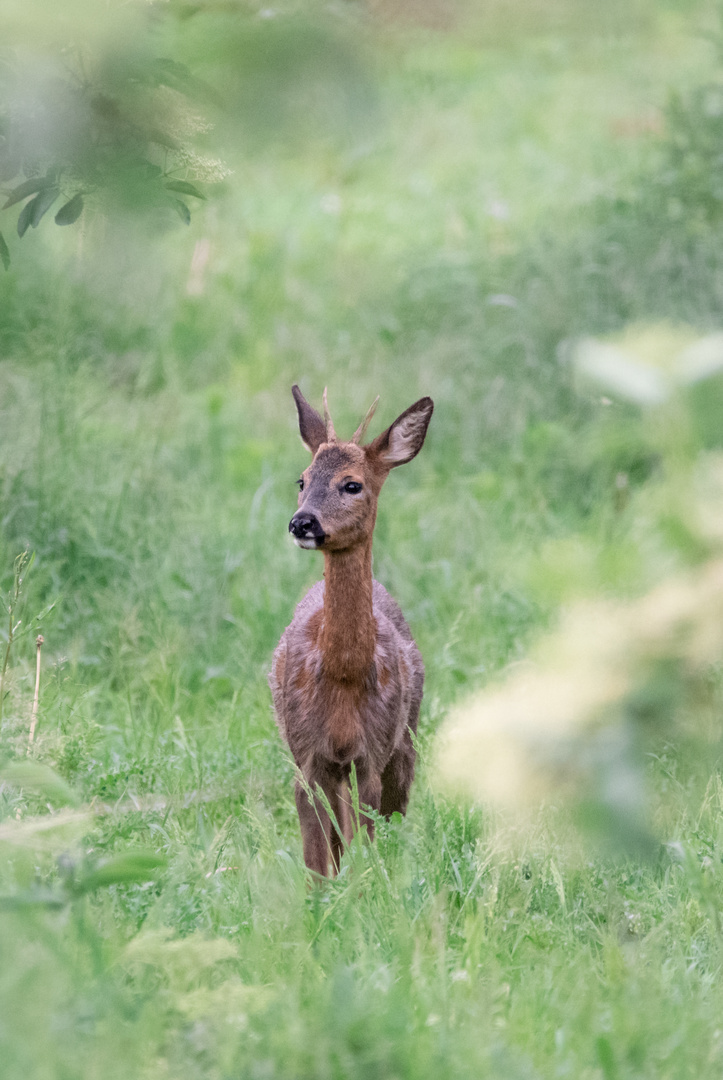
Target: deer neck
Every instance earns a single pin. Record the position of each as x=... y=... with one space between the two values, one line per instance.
x=349 y=633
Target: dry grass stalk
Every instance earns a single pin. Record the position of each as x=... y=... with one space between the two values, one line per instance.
x=36 y=699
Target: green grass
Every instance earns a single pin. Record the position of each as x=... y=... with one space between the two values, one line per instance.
x=148 y=456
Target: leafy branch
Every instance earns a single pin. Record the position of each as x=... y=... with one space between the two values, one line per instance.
x=121 y=136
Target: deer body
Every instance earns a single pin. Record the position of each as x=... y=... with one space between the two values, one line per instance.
x=347 y=677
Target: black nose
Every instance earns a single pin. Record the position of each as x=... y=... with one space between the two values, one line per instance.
x=306 y=526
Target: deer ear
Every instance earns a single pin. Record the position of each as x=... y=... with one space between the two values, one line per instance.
x=404 y=439
x=311 y=426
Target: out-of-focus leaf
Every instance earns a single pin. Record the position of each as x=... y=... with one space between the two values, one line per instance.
x=70 y=211
x=606 y=1057
x=4 y=252
x=185 y=188
x=25 y=217
x=182 y=210
x=41 y=779
x=28 y=187
x=146 y=169
x=123 y=869
x=42 y=203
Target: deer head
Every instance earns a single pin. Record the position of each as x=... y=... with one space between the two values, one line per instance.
x=339 y=490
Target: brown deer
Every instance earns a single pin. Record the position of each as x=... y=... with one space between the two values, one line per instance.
x=347 y=677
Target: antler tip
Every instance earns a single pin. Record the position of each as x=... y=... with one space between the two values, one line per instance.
x=330 y=433
x=362 y=429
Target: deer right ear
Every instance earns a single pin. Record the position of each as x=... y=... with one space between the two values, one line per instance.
x=311 y=427
x=403 y=440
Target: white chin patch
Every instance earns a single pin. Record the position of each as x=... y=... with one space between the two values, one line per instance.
x=309 y=544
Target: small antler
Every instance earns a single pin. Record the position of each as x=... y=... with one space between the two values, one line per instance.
x=362 y=429
x=330 y=433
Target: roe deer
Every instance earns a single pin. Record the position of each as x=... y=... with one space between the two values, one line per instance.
x=347 y=677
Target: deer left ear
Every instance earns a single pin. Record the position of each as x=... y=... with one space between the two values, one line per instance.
x=311 y=427
x=405 y=438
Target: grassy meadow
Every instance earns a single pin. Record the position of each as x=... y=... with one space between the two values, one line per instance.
x=504 y=194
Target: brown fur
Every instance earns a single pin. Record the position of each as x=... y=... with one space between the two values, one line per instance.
x=347 y=677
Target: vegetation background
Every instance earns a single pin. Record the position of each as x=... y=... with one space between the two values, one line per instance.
x=411 y=199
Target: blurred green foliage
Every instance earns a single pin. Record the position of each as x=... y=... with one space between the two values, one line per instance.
x=692 y=175
x=106 y=112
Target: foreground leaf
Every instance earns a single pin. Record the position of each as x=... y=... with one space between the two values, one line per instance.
x=70 y=211
x=183 y=212
x=123 y=869
x=42 y=203
x=25 y=217
x=185 y=188
x=41 y=779
x=28 y=187
x=4 y=252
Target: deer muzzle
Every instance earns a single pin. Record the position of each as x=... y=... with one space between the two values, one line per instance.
x=306 y=530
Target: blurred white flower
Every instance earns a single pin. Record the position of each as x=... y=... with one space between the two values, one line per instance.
x=498 y=209
x=648 y=362
x=331 y=203
x=546 y=729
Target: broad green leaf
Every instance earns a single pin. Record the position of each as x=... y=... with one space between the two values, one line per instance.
x=70 y=211
x=4 y=252
x=41 y=779
x=25 y=218
x=183 y=212
x=28 y=187
x=42 y=203
x=185 y=188
x=126 y=868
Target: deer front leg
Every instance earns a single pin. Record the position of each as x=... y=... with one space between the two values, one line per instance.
x=370 y=794
x=340 y=839
x=397 y=778
x=316 y=828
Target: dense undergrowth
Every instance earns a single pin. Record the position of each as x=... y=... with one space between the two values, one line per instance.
x=508 y=201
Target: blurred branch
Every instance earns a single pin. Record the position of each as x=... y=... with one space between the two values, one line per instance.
x=136 y=121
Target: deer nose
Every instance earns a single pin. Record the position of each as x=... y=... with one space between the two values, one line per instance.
x=306 y=527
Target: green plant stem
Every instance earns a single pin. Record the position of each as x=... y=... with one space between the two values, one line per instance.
x=6 y=658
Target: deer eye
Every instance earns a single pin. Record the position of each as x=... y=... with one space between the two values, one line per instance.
x=300 y=482
x=352 y=487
